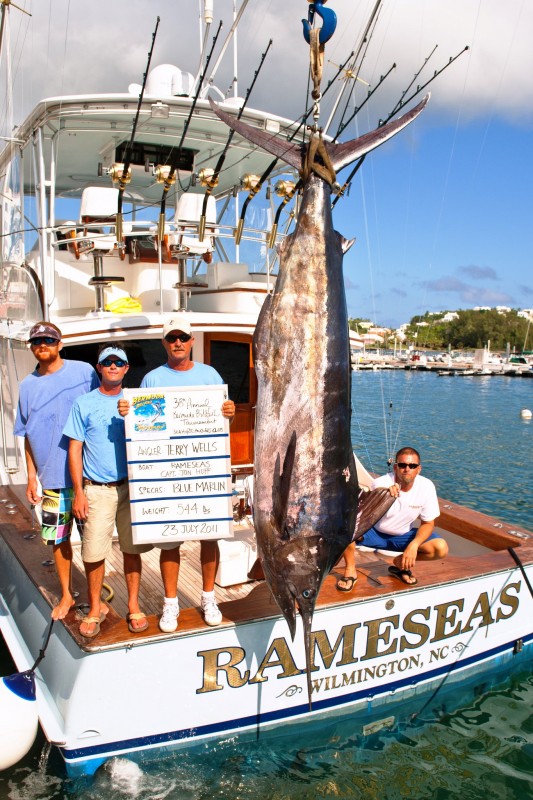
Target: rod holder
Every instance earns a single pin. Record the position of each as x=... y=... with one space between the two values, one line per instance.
x=238 y=231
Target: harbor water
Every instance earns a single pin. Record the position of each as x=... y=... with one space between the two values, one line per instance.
x=476 y=447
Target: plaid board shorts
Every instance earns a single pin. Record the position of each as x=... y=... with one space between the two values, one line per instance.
x=56 y=508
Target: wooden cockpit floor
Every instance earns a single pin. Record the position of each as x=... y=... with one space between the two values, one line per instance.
x=250 y=600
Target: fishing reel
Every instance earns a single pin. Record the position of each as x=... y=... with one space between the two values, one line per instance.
x=208 y=178
x=251 y=183
x=117 y=174
x=161 y=173
x=285 y=189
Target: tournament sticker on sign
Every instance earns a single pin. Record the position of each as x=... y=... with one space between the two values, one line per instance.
x=179 y=467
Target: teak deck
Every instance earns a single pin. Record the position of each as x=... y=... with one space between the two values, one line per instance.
x=252 y=600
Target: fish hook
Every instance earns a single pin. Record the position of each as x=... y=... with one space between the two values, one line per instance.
x=329 y=21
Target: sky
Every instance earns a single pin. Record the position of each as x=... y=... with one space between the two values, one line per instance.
x=442 y=213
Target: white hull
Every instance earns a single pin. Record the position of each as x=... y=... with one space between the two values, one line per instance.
x=187 y=688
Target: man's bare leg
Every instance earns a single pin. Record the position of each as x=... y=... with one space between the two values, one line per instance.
x=63 y=563
x=132 y=573
x=95 y=572
x=350 y=571
x=169 y=562
x=428 y=551
x=209 y=559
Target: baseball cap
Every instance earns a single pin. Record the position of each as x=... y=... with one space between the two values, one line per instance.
x=44 y=329
x=178 y=323
x=112 y=351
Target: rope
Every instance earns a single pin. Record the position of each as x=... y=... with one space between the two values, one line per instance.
x=42 y=651
x=317 y=147
x=317 y=66
x=316 y=143
x=518 y=562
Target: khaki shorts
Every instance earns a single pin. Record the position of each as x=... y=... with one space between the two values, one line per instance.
x=108 y=506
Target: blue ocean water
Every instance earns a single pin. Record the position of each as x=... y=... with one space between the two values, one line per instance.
x=474 y=445
x=472 y=440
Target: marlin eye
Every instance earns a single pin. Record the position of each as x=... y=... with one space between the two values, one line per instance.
x=306 y=593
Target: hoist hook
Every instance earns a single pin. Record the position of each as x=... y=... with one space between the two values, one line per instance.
x=329 y=21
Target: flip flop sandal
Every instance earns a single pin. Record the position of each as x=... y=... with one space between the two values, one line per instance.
x=91 y=621
x=400 y=573
x=135 y=617
x=350 y=580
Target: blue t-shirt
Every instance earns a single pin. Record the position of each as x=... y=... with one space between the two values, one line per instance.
x=44 y=405
x=199 y=375
x=95 y=421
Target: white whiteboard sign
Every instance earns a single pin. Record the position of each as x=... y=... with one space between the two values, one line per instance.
x=179 y=468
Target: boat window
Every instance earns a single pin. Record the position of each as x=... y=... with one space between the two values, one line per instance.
x=20 y=293
x=232 y=361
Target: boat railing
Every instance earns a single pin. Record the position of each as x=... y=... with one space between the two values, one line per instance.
x=70 y=233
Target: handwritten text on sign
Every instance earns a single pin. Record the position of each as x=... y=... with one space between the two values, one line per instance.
x=179 y=464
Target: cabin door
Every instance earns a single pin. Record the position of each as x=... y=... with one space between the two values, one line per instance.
x=231 y=355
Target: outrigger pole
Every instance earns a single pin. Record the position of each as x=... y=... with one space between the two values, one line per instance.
x=397 y=108
x=353 y=70
x=228 y=40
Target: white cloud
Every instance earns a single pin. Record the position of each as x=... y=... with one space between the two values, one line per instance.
x=70 y=47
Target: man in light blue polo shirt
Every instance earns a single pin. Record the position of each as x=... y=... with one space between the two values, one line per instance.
x=181 y=370
x=45 y=400
x=98 y=467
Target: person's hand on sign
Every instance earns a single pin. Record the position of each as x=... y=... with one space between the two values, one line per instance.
x=228 y=409
x=123 y=407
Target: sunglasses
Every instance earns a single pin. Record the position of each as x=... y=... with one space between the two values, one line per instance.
x=108 y=361
x=174 y=337
x=403 y=465
x=43 y=340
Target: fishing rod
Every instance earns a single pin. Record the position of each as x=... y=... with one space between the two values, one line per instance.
x=356 y=78
x=415 y=76
x=254 y=184
x=397 y=107
x=352 y=69
x=124 y=177
x=164 y=174
x=286 y=189
x=211 y=179
x=365 y=101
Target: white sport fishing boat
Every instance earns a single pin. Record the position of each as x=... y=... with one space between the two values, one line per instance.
x=105 y=276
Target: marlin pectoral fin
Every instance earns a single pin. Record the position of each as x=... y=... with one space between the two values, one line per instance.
x=282 y=484
x=371 y=507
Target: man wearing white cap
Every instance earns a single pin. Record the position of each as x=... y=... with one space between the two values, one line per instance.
x=98 y=466
x=180 y=370
x=45 y=400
